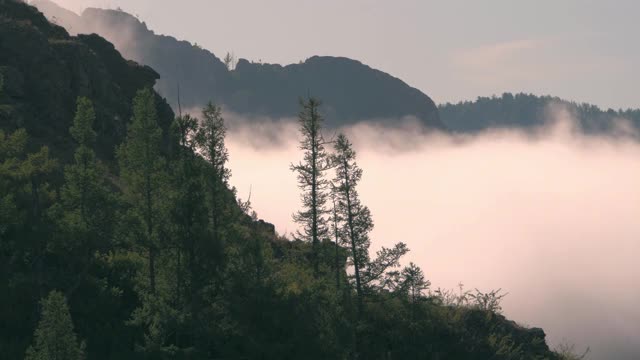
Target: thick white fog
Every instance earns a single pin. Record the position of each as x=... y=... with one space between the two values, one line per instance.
x=552 y=218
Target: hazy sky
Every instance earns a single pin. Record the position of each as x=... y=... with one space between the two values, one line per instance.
x=584 y=50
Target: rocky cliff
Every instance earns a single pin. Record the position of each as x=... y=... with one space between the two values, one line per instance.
x=43 y=70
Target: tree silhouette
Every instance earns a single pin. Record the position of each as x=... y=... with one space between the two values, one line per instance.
x=311 y=178
x=357 y=220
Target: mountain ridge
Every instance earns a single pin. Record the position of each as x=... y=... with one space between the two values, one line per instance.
x=527 y=111
x=351 y=91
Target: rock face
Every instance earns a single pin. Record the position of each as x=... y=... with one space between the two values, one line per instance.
x=43 y=70
x=351 y=91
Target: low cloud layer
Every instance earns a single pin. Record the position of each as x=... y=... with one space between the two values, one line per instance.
x=553 y=218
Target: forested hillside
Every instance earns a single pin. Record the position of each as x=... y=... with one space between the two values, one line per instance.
x=351 y=91
x=526 y=111
x=121 y=237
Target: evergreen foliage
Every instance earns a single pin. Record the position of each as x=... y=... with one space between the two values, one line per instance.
x=357 y=220
x=54 y=337
x=142 y=168
x=210 y=140
x=311 y=173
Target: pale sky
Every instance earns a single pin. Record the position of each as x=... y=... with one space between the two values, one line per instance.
x=583 y=50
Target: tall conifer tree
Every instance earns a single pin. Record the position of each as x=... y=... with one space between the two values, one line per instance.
x=210 y=139
x=311 y=178
x=357 y=221
x=86 y=201
x=189 y=213
x=143 y=171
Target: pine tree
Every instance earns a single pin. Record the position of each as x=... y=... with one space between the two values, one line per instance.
x=413 y=282
x=54 y=337
x=357 y=218
x=143 y=171
x=82 y=178
x=210 y=139
x=12 y=148
x=37 y=169
x=88 y=216
x=189 y=213
x=229 y=61
x=335 y=226
x=311 y=179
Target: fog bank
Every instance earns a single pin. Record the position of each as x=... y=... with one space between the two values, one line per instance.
x=551 y=217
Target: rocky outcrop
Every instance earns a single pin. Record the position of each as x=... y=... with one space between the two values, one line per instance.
x=43 y=71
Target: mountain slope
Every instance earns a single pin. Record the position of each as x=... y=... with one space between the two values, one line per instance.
x=351 y=91
x=249 y=295
x=43 y=71
x=529 y=111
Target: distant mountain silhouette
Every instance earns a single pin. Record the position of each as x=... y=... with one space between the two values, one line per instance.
x=351 y=91
x=529 y=111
